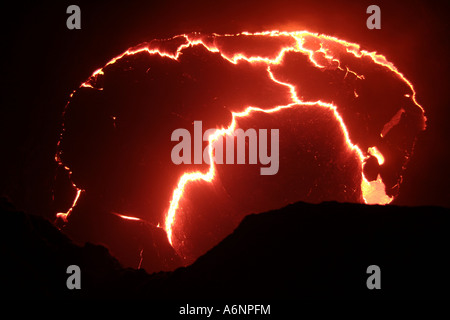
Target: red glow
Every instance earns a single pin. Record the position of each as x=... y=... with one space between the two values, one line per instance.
x=373 y=192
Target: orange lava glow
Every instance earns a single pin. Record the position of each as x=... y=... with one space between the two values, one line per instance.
x=373 y=192
x=377 y=154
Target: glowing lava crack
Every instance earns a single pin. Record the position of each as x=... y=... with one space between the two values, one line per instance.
x=323 y=52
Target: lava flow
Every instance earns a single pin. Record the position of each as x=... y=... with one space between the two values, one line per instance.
x=229 y=82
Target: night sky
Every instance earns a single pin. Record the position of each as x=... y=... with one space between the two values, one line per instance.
x=43 y=62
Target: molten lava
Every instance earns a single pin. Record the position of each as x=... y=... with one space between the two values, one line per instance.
x=275 y=51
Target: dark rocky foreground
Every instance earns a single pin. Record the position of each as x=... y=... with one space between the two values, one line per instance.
x=300 y=251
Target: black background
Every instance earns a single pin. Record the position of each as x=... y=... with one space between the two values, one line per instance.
x=43 y=62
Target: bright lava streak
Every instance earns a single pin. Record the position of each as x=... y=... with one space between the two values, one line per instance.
x=127 y=217
x=65 y=215
x=373 y=192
